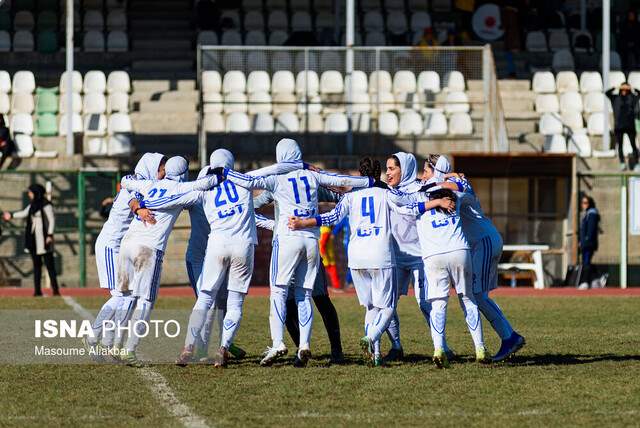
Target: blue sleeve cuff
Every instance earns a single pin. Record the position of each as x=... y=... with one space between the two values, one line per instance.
x=460 y=186
x=143 y=204
x=318 y=220
x=421 y=207
x=305 y=165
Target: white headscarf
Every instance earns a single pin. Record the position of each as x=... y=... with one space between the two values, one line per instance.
x=441 y=168
x=288 y=150
x=407 y=168
x=177 y=168
x=221 y=158
x=148 y=165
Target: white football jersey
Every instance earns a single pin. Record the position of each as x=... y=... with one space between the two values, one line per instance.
x=119 y=220
x=296 y=194
x=160 y=196
x=474 y=223
x=370 y=243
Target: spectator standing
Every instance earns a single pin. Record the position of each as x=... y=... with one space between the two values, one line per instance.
x=7 y=145
x=625 y=111
x=39 y=229
x=589 y=229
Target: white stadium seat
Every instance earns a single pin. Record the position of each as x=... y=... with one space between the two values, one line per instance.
x=23 y=41
x=24 y=145
x=311 y=123
x=382 y=102
x=211 y=81
x=77 y=103
x=406 y=101
x=435 y=123
x=550 y=124
x=287 y=122
x=555 y=144
x=94 y=103
x=380 y=81
x=336 y=122
x=282 y=82
x=455 y=82
x=76 y=82
x=235 y=102
x=238 y=122
x=595 y=102
x=119 y=123
x=95 y=125
x=307 y=82
x=5 y=82
x=76 y=124
x=563 y=61
x=23 y=81
x=634 y=79
x=263 y=122
x=21 y=123
x=310 y=105
x=259 y=102
x=234 y=81
x=213 y=122
x=118 y=81
x=360 y=102
x=258 y=81
x=5 y=103
x=284 y=102
x=543 y=83
x=119 y=145
x=547 y=103
x=358 y=80
x=404 y=81
x=118 y=102
x=429 y=81
x=212 y=102
x=571 y=102
x=95 y=81
x=536 y=41
x=580 y=145
x=361 y=122
x=96 y=147
x=22 y=103
x=616 y=78
x=331 y=82
x=590 y=81
x=460 y=124
x=573 y=120
x=410 y=123
x=457 y=102
x=388 y=123
x=567 y=81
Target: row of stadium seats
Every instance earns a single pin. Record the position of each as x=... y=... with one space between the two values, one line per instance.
x=556 y=40
x=93 y=20
x=328 y=5
x=552 y=123
x=94 y=81
x=55 y=5
x=48 y=42
x=408 y=123
x=544 y=82
x=563 y=61
x=578 y=143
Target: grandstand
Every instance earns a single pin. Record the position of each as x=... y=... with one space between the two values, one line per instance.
x=185 y=77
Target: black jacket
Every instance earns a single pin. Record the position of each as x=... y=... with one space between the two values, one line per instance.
x=625 y=109
x=589 y=228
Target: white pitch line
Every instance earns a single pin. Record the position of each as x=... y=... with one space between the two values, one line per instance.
x=155 y=381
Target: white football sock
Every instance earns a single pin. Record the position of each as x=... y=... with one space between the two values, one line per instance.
x=438 y=321
x=138 y=327
x=107 y=313
x=380 y=323
x=232 y=318
x=393 y=331
x=472 y=317
x=198 y=317
x=278 y=314
x=369 y=316
x=122 y=318
x=494 y=315
x=305 y=316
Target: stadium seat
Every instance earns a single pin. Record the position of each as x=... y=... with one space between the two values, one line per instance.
x=257 y=61
x=117 y=20
x=95 y=125
x=262 y=122
x=361 y=122
x=287 y=122
x=5 y=103
x=118 y=81
x=306 y=61
x=211 y=81
x=278 y=38
x=258 y=81
x=309 y=105
x=77 y=20
x=234 y=81
x=547 y=103
x=549 y=124
x=235 y=102
x=380 y=81
x=382 y=102
x=281 y=61
x=299 y=4
x=410 y=123
x=571 y=102
x=96 y=147
x=634 y=79
x=627 y=150
x=119 y=123
x=336 y=122
x=283 y=102
x=5 y=41
x=536 y=41
x=558 y=40
x=311 y=123
x=418 y=5
x=429 y=81
x=213 y=122
x=94 y=103
x=207 y=38
x=21 y=123
x=118 y=102
x=238 y=122
x=212 y=102
x=357 y=80
x=22 y=103
x=77 y=103
x=23 y=21
x=47 y=42
x=555 y=144
x=373 y=21
x=563 y=61
x=5 y=82
x=95 y=81
x=580 y=145
x=93 y=4
x=324 y=20
x=255 y=38
x=251 y=4
x=47 y=20
x=435 y=123
x=46 y=100
x=394 y=5
x=420 y=20
x=456 y=102
x=404 y=81
x=616 y=78
x=231 y=38
x=455 y=82
x=388 y=123
x=93 y=21
x=76 y=125
x=367 y=5
x=23 y=81
x=301 y=21
x=615 y=62
x=590 y=81
x=24 y=145
x=253 y=20
x=23 y=41
x=232 y=15
x=582 y=42
x=567 y=81
x=460 y=124
x=397 y=22
x=543 y=82
x=259 y=102
x=307 y=82
x=76 y=80
x=93 y=41
x=406 y=101
x=119 y=145
x=46 y=125
x=595 y=102
x=331 y=82
x=573 y=120
x=117 y=41
x=360 y=102
x=278 y=20
x=441 y=5
x=282 y=81
x=375 y=38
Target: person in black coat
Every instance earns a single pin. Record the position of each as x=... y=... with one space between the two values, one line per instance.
x=7 y=145
x=625 y=111
x=589 y=229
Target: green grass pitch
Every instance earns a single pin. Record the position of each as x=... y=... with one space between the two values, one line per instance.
x=581 y=367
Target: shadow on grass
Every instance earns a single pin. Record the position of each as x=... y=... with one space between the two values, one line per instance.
x=567 y=359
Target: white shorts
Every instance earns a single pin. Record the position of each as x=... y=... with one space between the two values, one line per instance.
x=139 y=270
x=107 y=264
x=447 y=269
x=486 y=255
x=408 y=274
x=232 y=263
x=294 y=257
x=375 y=287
